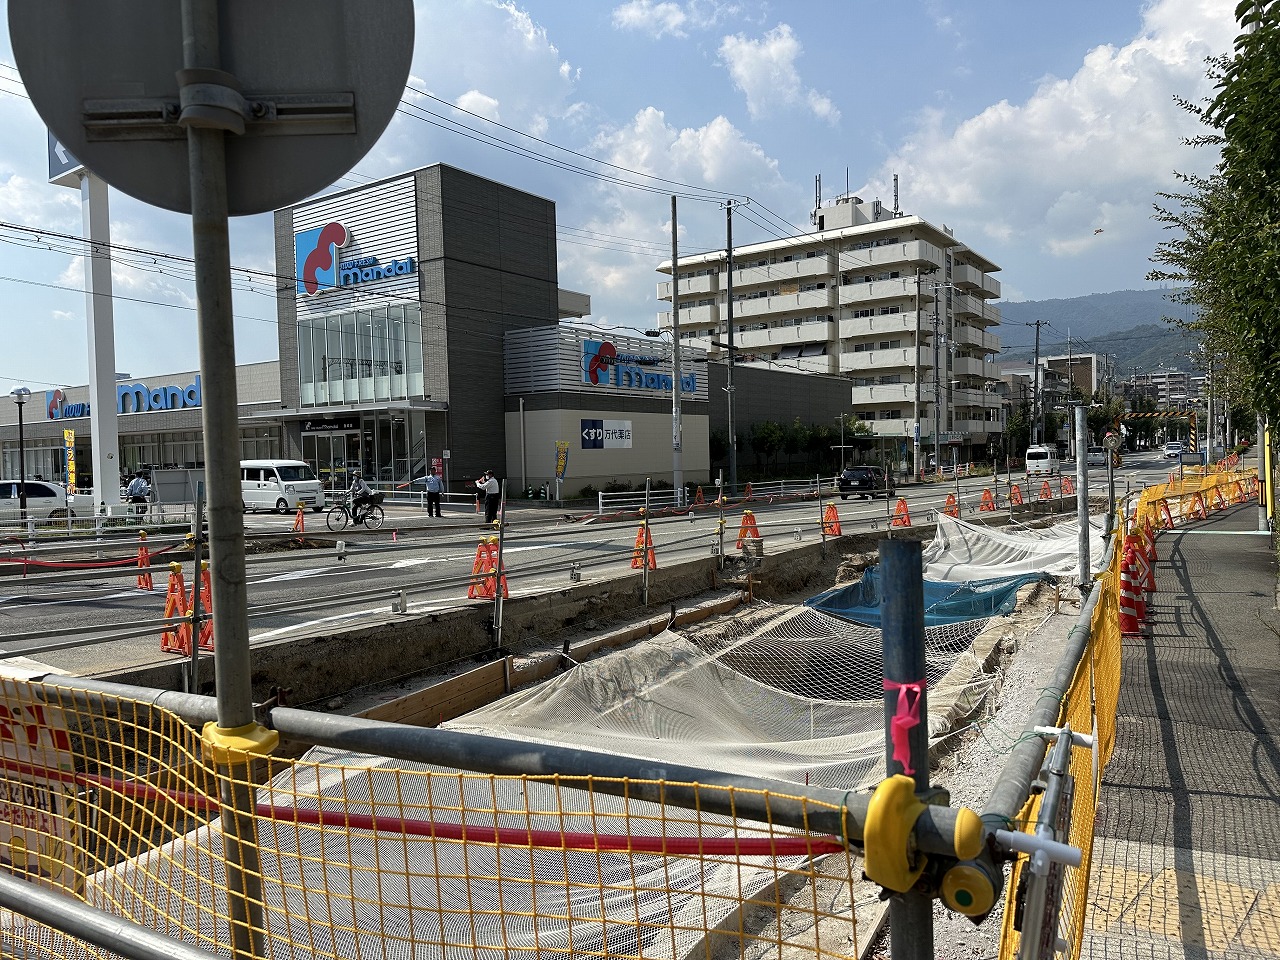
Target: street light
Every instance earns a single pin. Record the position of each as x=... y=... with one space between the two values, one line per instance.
x=20 y=396
x=677 y=426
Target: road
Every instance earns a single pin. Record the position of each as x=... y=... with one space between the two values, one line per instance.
x=303 y=591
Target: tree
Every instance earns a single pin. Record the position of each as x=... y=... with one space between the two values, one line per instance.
x=1227 y=244
x=766 y=440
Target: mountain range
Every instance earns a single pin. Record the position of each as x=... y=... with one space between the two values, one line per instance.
x=1130 y=324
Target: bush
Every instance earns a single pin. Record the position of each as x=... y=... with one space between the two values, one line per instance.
x=587 y=493
x=617 y=486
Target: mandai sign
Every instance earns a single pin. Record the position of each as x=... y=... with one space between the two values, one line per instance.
x=603 y=365
x=319 y=267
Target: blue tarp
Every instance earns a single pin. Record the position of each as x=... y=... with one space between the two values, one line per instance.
x=944 y=602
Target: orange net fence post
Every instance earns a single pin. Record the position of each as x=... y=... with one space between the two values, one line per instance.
x=1045 y=492
x=300 y=521
x=951 y=508
x=176 y=639
x=1015 y=495
x=479 y=568
x=747 y=529
x=988 y=504
x=144 y=563
x=206 y=605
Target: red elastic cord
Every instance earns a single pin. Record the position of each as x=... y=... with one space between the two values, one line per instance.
x=906 y=717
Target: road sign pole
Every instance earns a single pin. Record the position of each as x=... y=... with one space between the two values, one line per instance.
x=206 y=145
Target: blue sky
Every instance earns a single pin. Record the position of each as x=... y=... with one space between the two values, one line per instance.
x=1027 y=126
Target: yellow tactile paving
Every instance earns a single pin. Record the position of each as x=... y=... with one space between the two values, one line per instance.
x=1195 y=910
x=1111 y=890
x=1262 y=931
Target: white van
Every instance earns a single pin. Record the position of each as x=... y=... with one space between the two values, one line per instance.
x=1042 y=462
x=279 y=485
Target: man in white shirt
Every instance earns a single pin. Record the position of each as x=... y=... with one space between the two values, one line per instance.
x=435 y=487
x=488 y=484
x=359 y=494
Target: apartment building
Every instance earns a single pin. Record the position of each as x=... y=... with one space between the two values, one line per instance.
x=893 y=303
x=1090 y=373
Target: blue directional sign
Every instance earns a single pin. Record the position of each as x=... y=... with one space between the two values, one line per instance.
x=64 y=168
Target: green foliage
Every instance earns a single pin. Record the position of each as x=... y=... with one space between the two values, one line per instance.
x=617 y=486
x=588 y=492
x=767 y=438
x=1226 y=246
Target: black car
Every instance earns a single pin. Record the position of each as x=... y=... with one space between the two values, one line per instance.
x=865 y=482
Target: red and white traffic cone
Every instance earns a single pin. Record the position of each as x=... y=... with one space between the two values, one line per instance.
x=1129 y=622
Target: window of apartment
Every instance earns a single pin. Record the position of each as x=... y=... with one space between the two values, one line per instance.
x=885 y=311
x=862 y=347
x=891 y=378
x=890 y=414
x=889 y=344
x=787 y=353
x=864 y=312
x=811 y=254
x=708 y=302
x=864 y=414
x=864 y=381
x=806 y=287
x=814 y=350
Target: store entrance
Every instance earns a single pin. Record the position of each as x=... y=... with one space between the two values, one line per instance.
x=333 y=455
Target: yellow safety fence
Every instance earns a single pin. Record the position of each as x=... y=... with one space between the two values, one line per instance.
x=118 y=803
x=1090 y=702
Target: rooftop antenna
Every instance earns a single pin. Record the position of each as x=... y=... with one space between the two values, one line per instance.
x=846 y=181
x=895 y=195
x=817 y=191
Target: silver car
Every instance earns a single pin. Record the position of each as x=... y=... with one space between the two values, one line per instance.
x=45 y=501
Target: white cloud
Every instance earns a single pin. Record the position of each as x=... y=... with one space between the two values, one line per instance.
x=1083 y=152
x=473 y=101
x=765 y=71
x=664 y=17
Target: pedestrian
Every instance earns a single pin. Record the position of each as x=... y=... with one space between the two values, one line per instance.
x=139 y=492
x=488 y=486
x=435 y=487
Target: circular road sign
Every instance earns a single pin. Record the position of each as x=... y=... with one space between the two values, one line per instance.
x=318 y=81
x=1111 y=441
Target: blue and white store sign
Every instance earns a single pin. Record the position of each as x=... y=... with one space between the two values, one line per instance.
x=606 y=434
x=604 y=365
x=564 y=359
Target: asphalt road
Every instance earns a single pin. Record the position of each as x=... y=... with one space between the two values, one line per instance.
x=301 y=591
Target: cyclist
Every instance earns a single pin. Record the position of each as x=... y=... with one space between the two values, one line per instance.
x=359 y=495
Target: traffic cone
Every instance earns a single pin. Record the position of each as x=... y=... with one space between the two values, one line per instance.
x=144 y=563
x=643 y=553
x=988 y=504
x=300 y=521
x=1143 y=579
x=901 y=515
x=176 y=639
x=748 y=528
x=1129 y=624
x=831 y=521
x=952 y=509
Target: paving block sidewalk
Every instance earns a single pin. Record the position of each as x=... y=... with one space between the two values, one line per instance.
x=1187 y=851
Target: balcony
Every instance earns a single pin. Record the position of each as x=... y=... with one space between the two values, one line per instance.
x=783 y=336
x=971 y=308
x=883 y=324
x=973 y=280
x=976 y=337
x=973 y=367
x=708 y=316
x=859 y=293
x=894 y=359
x=882 y=393
x=788 y=303
x=691 y=287
x=911 y=254
x=803 y=268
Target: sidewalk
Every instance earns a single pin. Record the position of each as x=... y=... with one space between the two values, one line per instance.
x=1187 y=846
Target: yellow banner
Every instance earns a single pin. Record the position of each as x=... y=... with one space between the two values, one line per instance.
x=69 y=445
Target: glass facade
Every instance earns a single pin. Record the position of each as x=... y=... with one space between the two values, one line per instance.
x=389 y=447
x=361 y=356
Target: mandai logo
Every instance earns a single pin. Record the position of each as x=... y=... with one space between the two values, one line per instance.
x=58 y=407
x=597 y=357
x=319 y=269
x=316 y=257
x=603 y=365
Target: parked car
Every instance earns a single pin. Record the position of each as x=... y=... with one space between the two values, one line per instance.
x=1096 y=457
x=1173 y=450
x=866 y=482
x=45 y=501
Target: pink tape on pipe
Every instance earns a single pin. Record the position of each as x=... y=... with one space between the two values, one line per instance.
x=906 y=717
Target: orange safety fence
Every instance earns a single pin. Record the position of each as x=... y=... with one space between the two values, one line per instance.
x=118 y=803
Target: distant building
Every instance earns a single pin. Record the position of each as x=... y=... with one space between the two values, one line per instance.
x=1170 y=386
x=1091 y=373
x=861 y=298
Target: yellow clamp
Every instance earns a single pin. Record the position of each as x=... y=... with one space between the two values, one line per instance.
x=228 y=745
x=891 y=815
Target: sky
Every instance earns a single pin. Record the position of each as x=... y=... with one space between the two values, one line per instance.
x=1040 y=132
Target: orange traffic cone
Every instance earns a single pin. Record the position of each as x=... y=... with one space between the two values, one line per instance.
x=952 y=509
x=300 y=521
x=988 y=502
x=643 y=552
x=144 y=563
x=831 y=521
x=176 y=639
x=748 y=528
x=901 y=515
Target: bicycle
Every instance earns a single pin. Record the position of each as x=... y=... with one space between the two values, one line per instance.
x=370 y=514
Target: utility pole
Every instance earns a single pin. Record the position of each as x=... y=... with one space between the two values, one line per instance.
x=677 y=438
x=733 y=436
x=937 y=389
x=916 y=469
x=1037 y=394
